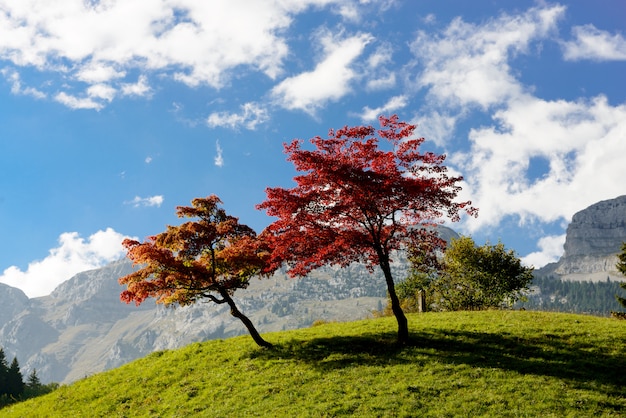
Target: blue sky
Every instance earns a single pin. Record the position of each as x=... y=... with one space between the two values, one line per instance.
x=112 y=113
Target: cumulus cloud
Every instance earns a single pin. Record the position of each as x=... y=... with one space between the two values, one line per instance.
x=74 y=102
x=146 y=201
x=140 y=88
x=551 y=249
x=16 y=85
x=590 y=43
x=380 y=76
x=537 y=160
x=251 y=115
x=436 y=126
x=73 y=255
x=469 y=64
x=331 y=78
x=580 y=144
x=394 y=104
x=101 y=43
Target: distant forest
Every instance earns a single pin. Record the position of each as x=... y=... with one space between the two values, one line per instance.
x=553 y=294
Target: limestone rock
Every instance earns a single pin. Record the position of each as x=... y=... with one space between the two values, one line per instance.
x=593 y=240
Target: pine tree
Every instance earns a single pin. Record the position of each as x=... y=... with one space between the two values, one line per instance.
x=621 y=266
x=4 y=372
x=33 y=381
x=15 y=380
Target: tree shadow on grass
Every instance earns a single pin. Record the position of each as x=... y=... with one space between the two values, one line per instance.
x=547 y=355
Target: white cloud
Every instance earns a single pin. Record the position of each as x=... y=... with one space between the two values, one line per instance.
x=148 y=159
x=395 y=103
x=436 y=126
x=95 y=72
x=581 y=144
x=329 y=81
x=101 y=43
x=551 y=249
x=140 y=88
x=73 y=255
x=16 y=85
x=219 y=158
x=74 y=102
x=380 y=77
x=101 y=91
x=146 y=201
x=594 y=44
x=252 y=114
x=468 y=64
x=537 y=160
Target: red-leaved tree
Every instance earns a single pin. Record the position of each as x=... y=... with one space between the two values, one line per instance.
x=357 y=202
x=208 y=258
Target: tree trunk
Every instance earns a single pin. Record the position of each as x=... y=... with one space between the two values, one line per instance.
x=246 y=321
x=403 y=324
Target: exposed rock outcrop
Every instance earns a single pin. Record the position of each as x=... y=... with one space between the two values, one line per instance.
x=593 y=240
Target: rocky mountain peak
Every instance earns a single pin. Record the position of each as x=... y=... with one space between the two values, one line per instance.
x=593 y=240
x=599 y=229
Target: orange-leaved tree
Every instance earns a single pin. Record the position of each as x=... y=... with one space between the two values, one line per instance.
x=208 y=258
x=356 y=201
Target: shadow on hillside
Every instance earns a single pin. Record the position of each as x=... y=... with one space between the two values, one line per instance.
x=546 y=355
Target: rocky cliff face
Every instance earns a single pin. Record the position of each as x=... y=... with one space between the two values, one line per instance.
x=593 y=240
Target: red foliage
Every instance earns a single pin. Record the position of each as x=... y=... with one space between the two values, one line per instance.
x=355 y=201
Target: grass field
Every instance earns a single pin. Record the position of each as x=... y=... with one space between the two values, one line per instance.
x=460 y=364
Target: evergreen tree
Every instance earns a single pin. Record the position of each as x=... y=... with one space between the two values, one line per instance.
x=4 y=372
x=33 y=381
x=621 y=266
x=15 y=380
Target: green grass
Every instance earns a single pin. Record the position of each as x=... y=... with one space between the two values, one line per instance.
x=465 y=364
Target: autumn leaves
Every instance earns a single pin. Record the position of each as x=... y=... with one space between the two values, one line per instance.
x=356 y=200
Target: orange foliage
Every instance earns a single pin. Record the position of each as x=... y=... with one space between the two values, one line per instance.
x=213 y=254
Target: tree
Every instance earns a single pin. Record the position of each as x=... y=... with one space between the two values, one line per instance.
x=479 y=277
x=34 y=387
x=621 y=266
x=356 y=201
x=4 y=372
x=15 y=380
x=424 y=266
x=33 y=382
x=208 y=258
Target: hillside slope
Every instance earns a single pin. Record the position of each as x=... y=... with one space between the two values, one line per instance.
x=493 y=363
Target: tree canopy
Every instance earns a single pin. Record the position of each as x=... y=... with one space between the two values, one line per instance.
x=479 y=277
x=208 y=258
x=358 y=200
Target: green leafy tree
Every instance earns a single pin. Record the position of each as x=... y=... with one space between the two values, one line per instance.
x=425 y=263
x=482 y=277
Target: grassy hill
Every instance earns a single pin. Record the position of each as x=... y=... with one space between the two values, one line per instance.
x=495 y=363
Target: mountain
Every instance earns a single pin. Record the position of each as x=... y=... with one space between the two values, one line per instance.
x=82 y=327
x=593 y=240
